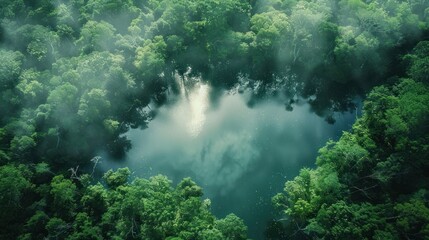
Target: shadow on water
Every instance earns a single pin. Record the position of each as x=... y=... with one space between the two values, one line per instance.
x=240 y=155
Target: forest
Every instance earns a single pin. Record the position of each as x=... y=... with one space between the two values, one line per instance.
x=77 y=75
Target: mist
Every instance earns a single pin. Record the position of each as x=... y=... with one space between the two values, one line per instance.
x=237 y=95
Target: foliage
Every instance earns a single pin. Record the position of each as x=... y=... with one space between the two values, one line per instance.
x=100 y=63
x=372 y=182
x=142 y=209
x=76 y=75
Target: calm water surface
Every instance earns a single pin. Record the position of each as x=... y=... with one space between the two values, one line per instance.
x=241 y=156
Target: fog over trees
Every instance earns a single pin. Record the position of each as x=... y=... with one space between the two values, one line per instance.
x=76 y=75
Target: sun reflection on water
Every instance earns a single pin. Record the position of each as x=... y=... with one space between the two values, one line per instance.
x=198 y=105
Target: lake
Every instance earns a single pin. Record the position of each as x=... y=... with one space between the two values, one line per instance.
x=240 y=155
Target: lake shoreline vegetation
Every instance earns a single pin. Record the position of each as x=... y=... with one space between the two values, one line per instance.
x=75 y=75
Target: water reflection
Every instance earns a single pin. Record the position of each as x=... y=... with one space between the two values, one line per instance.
x=241 y=156
x=198 y=103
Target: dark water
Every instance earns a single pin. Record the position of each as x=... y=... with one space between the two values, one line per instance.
x=241 y=156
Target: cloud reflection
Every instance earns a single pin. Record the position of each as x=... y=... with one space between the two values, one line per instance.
x=241 y=156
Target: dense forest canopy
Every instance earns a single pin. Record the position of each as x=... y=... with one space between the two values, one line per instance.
x=373 y=182
x=77 y=74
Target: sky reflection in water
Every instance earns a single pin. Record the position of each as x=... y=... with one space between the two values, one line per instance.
x=241 y=156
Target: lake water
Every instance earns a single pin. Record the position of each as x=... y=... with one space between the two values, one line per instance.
x=241 y=156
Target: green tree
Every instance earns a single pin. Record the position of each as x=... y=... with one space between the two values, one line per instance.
x=94 y=105
x=10 y=8
x=32 y=87
x=188 y=188
x=270 y=29
x=116 y=178
x=106 y=10
x=342 y=220
x=96 y=36
x=44 y=43
x=413 y=218
x=57 y=228
x=63 y=192
x=419 y=62
x=10 y=68
x=63 y=104
x=94 y=201
x=150 y=58
x=14 y=183
x=83 y=228
x=36 y=225
x=232 y=227
x=22 y=146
